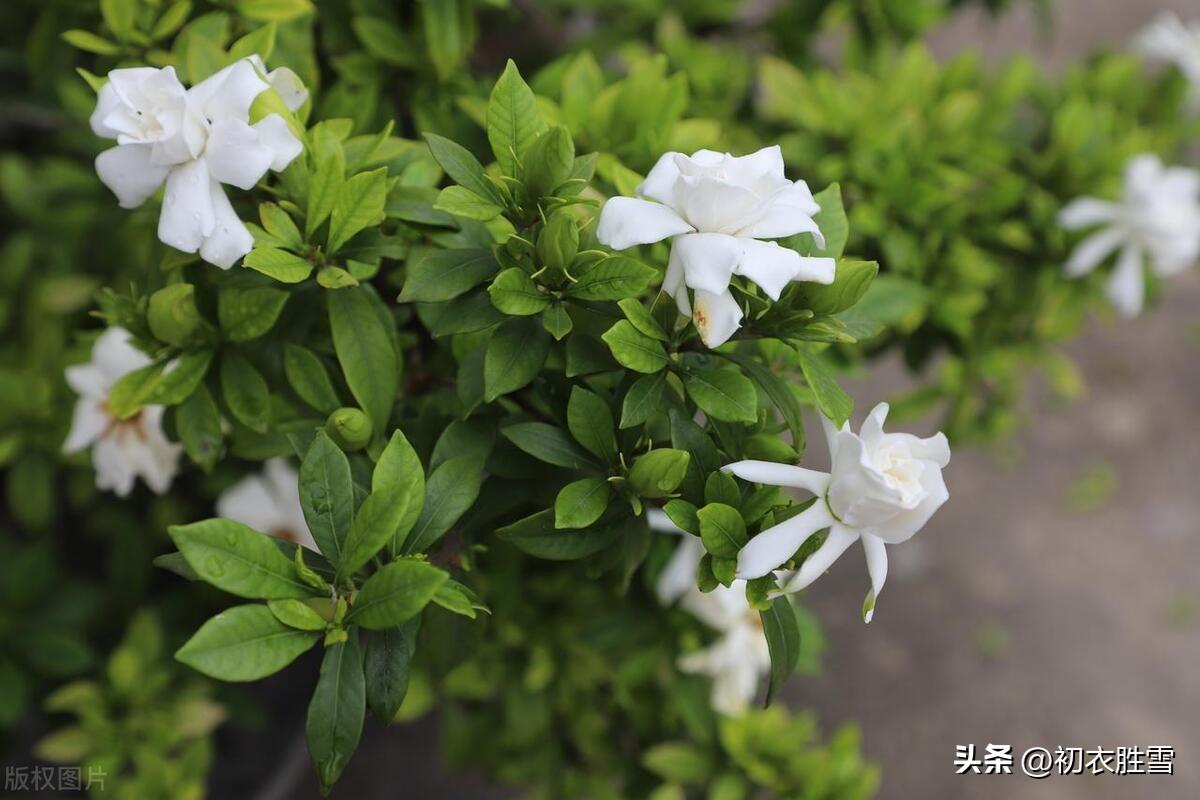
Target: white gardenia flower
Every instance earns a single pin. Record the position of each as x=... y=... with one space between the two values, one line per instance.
x=718 y=208
x=1157 y=218
x=739 y=658
x=122 y=449
x=1170 y=40
x=270 y=503
x=882 y=489
x=194 y=140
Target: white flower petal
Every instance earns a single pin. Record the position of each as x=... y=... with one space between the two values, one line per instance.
x=88 y=422
x=627 y=221
x=872 y=428
x=716 y=317
x=187 y=217
x=88 y=380
x=114 y=469
x=831 y=434
x=115 y=356
x=905 y=524
x=772 y=267
x=711 y=205
x=289 y=86
x=229 y=239
x=229 y=93
x=660 y=182
x=1094 y=249
x=786 y=213
x=746 y=169
x=877 y=567
x=679 y=575
x=772 y=474
x=774 y=546
x=275 y=134
x=250 y=502
x=1126 y=287
x=128 y=172
x=708 y=260
x=840 y=537
x=1086 y=212
x=236 y=155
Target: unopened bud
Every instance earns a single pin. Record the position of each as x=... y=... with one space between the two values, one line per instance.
x=349 y=428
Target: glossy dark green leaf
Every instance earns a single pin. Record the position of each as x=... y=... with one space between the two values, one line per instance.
x=337 y=710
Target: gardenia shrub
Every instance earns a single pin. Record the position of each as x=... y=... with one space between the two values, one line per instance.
x=496 y=392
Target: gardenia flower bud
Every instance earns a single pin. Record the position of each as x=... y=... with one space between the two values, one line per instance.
x=194 y=140
x=882 y=489
x=269 y=502
x=738 y=660
x=122 y=449
x=1169 y=39
x=350 y=428
x=1158 y=218
x=718 y=207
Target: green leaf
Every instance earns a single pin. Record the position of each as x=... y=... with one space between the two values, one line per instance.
x=557 y=321
x=374 y=525
x=324 y=189
x=641 y=318
x=246 y=314
x=327 y=495
x=445 y=37
x=91 y=43
x=238 y=559
x=782 y=629
x=362 y=339
x=515 y=355
x=515 y=293
x=159 y=384
x=395 y=594
x=297 y=614
x=778 y=391
x=683 y=514
x=245 y=391
x=590 y=422
x=452 y=488
x=833 y=401
x=281 y=265
x=274 y=10
x=722 y=530
x=581 y=503
x=360 y=203
x=399 y=465
x=659 y=472
x=723 y=394
x=462 y=202
x=337 y=710
x=389 y=654
x=198 y=423
x=458 y=599
x=172 y=19
x=643 y=400
x=260 y=42
x=721 y=487
x=633 y=349
x=309 y=379
x=678 y=762
x=831 y=219
x=612 y=278
x=549 y=161
x=462 y=167
x=244 y=643
x=383 y=40
x=120 y=16
x=335 y=278
x=537 y=536
x=851 y=282
x=445 y=274
x=513 y=119
x=705 y=458
x=550 y=444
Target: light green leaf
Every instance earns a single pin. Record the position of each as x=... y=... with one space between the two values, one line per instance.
x=399 y=465
x=513 y=119
x=327 y=495
x=245 y=392
x=274 y=10
x=659 y=472
x=850 y=283
x=396 y=594
x=374 y=525
x=462 y=202
x=590 y=422
x=722 y=530
x=581 y=503
x=324 y=189
x=515 y=293
x=246 y=314
x=643 y=400
x=308 y=378
x=363 y=341
x=238 y=559
x=547 y=443
x=723 y=394
x=612 y=278
x=445 y=274
x=831 y=398
x=633 y=349
x=91 y=43
x=281 y=265
x=244 y=643
x=297 y=614
x=360 y=203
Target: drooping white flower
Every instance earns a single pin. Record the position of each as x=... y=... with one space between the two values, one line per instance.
x=882 y=489
x=1157 y=219
x=1170 y=40
x=718 y=208
x=193 y=140
x=270 y=503
x=122 y=449
x=739 y=657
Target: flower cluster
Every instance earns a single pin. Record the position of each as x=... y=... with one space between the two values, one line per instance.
x=1170 y=40
x=194 y=140
x=1157 y=219
x=716 y=208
